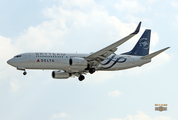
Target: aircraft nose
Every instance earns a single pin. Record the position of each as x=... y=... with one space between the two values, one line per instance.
x=9 y=62
x=13 y=62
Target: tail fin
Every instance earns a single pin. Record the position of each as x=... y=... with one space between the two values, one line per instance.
x=142 y=46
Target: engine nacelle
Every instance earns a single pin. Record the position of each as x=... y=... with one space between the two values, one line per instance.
x=75 y=61
x=60 y=75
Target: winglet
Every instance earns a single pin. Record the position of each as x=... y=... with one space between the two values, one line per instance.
x=154 y=54
x=137 y=29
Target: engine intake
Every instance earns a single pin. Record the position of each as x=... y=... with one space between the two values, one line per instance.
x=60 y=75
x=75 y=61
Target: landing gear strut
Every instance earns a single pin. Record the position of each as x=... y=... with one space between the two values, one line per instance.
x=81 y=77
x=23 y=69
x=91 y=70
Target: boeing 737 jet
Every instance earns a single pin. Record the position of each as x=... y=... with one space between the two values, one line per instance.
x=66 y=65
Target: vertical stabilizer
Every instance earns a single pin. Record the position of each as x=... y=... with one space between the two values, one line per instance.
x=142 y=46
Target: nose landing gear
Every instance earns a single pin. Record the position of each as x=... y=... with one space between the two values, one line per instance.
x=81 y=78
x=24 y=73
x=23 y=69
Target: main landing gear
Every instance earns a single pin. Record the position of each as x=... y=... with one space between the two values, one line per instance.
x=81 y=78
x=91 y=70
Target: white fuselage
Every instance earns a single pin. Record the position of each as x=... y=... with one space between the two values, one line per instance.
x=67 y=65
x=60 y=61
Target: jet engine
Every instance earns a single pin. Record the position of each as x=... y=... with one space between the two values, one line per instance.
x=75 y=61
x=60 y=75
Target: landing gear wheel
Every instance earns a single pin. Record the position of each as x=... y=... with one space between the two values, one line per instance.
x=81 y=77
x=24 y=73
x=92 y=70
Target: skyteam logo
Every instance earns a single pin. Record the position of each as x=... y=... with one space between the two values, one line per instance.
x=144 y=43
x=121 y=60
x=118 y=60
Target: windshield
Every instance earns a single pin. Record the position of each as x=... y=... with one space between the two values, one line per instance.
x=17 y=56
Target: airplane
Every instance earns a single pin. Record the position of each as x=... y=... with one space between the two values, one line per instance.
x=66 y=65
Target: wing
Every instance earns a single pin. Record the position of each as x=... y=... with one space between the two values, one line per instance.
x=107 y=51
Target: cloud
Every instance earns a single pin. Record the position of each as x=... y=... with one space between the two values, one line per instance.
x=114 y=93
x=176 y=17
x=14 y=85
x=40 y=37
x=59 y=116
x=77 y=3
x=132 y=6
x=8 y=50
x=115 y=119
x=153 y=1
x=155 y=63
x=154 y=39
x=141 y=116
x=74 y=28
x=174 y=4
x=158 y=60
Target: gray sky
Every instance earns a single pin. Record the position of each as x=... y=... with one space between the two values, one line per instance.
x=83 y=27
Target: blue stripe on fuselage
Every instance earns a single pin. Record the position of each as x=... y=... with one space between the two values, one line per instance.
x=120 y=58
x=108 y=60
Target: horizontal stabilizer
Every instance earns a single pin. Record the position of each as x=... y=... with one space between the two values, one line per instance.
x=154 y=54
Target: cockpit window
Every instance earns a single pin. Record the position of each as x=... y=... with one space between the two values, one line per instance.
x=17 y=56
